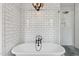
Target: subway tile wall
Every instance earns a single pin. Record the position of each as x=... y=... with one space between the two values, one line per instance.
x=11 y=22
x=44 y=22
x=23 y=23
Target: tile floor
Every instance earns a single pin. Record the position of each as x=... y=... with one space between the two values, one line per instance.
x=71 y=51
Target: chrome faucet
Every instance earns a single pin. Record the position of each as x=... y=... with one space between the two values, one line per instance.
x=38 y=42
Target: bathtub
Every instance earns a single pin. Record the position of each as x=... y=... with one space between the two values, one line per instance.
x=48 y=49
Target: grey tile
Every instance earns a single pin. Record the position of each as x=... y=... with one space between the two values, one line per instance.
x=71 y=51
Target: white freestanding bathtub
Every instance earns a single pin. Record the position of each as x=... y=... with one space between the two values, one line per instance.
x=48 y=49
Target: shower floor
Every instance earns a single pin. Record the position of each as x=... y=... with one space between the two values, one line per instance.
x=71 y=51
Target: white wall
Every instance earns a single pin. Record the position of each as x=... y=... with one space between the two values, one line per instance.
x=77 y=25
x=44 y=22
x=0 y=29
x=11 y=22
x=67 y=24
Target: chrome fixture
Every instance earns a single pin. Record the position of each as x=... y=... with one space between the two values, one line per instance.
x=66 y=12
x=38 y=42
x=37 y=6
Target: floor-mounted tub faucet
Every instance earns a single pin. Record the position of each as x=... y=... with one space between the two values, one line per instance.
x=38 y=42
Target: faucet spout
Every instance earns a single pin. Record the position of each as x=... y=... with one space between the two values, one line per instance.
x=38 y=42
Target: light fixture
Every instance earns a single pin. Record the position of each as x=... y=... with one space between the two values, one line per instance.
x=37 y=6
